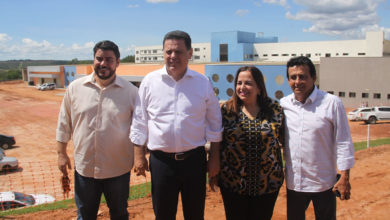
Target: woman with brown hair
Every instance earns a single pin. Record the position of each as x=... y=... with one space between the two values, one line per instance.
x=251 y=163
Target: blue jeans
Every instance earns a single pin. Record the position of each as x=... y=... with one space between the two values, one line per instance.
x=88 y=192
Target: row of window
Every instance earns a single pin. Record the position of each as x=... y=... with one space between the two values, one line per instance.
x=155 y=51
x=307 y=55
x=365 y=95
x=161 y=58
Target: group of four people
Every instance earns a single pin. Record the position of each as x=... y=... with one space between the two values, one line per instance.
x=175 y=112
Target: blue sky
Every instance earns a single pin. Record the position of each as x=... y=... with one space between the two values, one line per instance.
x=67 y=29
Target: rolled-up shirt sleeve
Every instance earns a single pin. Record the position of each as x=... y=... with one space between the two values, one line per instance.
x=139 y=126
x=64 y=124
x=213 y=117
x=344 y=144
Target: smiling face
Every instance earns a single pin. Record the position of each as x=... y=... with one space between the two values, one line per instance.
x=105 y=64
x=301 y=82
x=246 y=88
x=176 y=57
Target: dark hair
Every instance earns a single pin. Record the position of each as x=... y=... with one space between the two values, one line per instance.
x=107 y=45
x=300 y=61
x=234 y=104
x=179 y=35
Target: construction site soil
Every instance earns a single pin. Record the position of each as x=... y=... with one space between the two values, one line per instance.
x=31 y=116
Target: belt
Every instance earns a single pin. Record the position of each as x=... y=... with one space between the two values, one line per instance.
x=179 y=155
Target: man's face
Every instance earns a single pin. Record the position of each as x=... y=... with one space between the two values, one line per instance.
x=105 y=64
x=176 y=56
x=301 y=82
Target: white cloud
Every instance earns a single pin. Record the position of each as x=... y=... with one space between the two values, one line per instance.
x=162 y=1
x=257 y=3
x=31 y=49
x=241 y=12
x=4 y=38
x=345 y=18
x=133 y=6
x=277 y=2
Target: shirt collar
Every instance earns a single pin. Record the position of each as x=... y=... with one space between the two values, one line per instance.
x=311 y=99
x=91 y=79
x=188 y=72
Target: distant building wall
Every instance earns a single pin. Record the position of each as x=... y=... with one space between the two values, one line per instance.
x=222 y=78
x=357 y=81
x=46 y=74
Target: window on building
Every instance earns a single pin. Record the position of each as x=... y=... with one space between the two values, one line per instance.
x=154 y=51
x=196 y=57
x=377 y=95
x=361 y=54
x=345 y=54
x=294 y=54
x=275 y=55
x=136 y=52
x=137 y=58
x=365 y=95
x=154 y=58
x=388 y=96
x=327 y=55
x=341 y=94
x=331 y=92
x=308 y=55
x=196 y=49
x=256 y=55
x=285 y=55
x=265 y=55
x=352 y=94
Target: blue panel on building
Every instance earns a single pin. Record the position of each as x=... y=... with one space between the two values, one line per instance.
x=70 y=73
x=222 y=79
x=239 y=45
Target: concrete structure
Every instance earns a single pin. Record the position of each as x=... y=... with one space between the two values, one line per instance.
x=222 y=79
x=240 y=46
x=374 y=45
x=357 y=81
x=154 y=54
x=236 y=46
x=46 y=74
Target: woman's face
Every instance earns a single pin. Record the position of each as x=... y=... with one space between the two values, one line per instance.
x=246 y=88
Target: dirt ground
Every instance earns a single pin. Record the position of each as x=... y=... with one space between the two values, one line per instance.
x=31 y=116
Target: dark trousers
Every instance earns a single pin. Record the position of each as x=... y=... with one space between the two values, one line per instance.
x=88 y=192
x=324 y=204
x=170 y=176
x=240 y=207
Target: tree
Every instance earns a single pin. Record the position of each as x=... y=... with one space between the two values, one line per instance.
x=128 y=59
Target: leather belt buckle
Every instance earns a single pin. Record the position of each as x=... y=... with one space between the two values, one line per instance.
x=179 y=156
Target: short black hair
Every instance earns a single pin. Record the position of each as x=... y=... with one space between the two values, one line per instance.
x=178 y=35
x=301 y=61
x=107 y=45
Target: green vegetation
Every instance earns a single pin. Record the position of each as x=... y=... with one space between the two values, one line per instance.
x=142 y=190
x=11 y=74
x=373 y=143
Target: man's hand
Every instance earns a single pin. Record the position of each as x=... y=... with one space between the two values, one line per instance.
x=63 y=158
x=140 y=162
x=213 y=165
x=343 y=186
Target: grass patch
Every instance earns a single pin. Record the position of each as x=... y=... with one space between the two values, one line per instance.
x=373 y=143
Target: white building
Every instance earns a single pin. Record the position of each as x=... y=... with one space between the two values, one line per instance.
x=154 y=54
x=374 y=45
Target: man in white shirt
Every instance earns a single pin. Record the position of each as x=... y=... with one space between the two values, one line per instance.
x=97 y=112
x=176 y=113
x=317 y=143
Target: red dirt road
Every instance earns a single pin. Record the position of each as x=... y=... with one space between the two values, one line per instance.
x=31 y=116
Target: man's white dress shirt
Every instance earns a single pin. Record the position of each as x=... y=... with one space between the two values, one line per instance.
x=176 y=116
x=318 y=141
